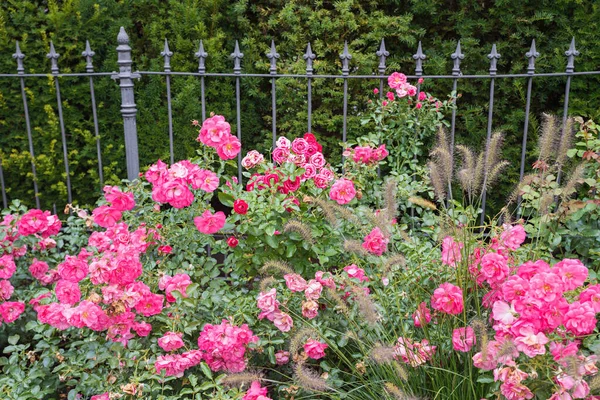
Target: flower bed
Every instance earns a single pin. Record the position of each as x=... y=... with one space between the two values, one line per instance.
x=322 y=289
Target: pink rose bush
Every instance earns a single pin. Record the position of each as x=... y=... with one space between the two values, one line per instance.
x=174 y=185
x=216 y=133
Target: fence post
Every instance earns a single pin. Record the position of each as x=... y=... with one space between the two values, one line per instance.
x=128 y=110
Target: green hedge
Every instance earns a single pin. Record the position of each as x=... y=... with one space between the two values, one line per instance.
x=437 y=23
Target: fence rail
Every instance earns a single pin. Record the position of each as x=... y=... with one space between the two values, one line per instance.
x=125 y=76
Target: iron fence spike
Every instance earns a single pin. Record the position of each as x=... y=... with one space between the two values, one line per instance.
x=88 y=54
x=19 y=56
x=382 y=53
x=273 y=56
x=457 y=56
x=53 y=56
x=309 y=56
x=237 y=56
x=201 y=56
x=532 y=54
x=494 y=56
x=167 y=54
x=571 y=54
x=419 y=57
x=345 y=57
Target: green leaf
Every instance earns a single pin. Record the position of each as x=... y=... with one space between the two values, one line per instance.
x=206 y=371
x=14 y=339
x=485 y=379
x=226 y=199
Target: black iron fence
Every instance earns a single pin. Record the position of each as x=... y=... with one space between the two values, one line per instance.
x=126 y=78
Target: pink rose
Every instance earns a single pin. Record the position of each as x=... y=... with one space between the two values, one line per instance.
x=299 y=146
x=229 y=148
x=513 y=236
x=422 y=316
x=120 y=201
x=282 y=357
x=315 y=349
x=317 y=160
x=213 y=130
x=283 y=321
x=106 y=216
x=451 y=254
x=210 y=223
x=295 y=282
x=342 y=191
x=171 y=341
x=11 y=310
x=375 y=242
x=580 y=319
x=7 y=266
x=67 y=292
x=310 y=309
x=313 y=290
x=463 y=339
x=280 y=154
x=572 y=273
x=354 y=272
x=448 y=299
x=396 y=80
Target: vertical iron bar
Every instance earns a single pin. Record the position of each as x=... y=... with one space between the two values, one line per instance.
x=493 y=56
x=53 y=56
x=88 y=54
x=4 y=200
x=167 y=54
x=201 y=56
x=21 y=70
x=345 y=57
x=128 y=109
x=309 y=56
x=571 y=54
x=273 y=56
x=532 y=54
x=382 y=53
x=457 y=57
x=237 y=56
x=419 y=57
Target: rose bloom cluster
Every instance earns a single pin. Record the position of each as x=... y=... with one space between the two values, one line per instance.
x=536 y=309
x=108 y=215
x=117 y=302
x=216 y=133
x=37 y=223
x=172 y=184
x=413 y=353
x=306 y=153
x=366 y=154
x=222 y=347
x=269 y=305
x=399 y=82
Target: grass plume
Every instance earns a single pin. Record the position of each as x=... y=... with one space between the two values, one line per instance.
x=382 y=354
x=301 y=228
x=308 y=378
x=548 y=138
x=241 y=378
x=574 y=181
x=395 y=259
x=266 y=283
x=419 y=201
x=391 y=205
x=297 y=341
x=355 y=246
x=337 y=299
x=279 y=267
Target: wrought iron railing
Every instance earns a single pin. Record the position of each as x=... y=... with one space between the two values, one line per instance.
x=126 y=77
